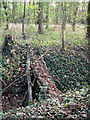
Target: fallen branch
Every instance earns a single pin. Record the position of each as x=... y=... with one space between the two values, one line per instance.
x=34 y=81
x=38 y=83
x=43 y=54
x=11 y=84
x=29 y=77
x=24 y=97
x=3 y=82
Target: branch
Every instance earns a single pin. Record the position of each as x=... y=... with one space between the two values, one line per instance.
x=34 y=81
x=43 y=54
x=3 y=82
x=29 y=77
x=11 y=84
x=24 y=97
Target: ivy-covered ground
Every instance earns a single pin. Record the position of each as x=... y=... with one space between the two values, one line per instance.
x=68 y=68
x=75 y=105
x=69 y=71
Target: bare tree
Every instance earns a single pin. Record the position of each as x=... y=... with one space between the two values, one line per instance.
x=40 y=19
x=62 y=24
x=34 y=12
x=56 y=11
x=65 y=15
x=23 y=21
x=28 y=14
x=88 y=32
x=47 y=15
x=0 y=13
x=74 y=16
x=1 y=66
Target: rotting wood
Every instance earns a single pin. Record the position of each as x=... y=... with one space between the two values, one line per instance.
x=29 y=77
x=42 y=74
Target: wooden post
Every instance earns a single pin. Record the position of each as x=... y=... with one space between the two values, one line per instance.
x=29 y=77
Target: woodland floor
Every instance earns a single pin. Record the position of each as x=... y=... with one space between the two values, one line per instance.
x=68 y=68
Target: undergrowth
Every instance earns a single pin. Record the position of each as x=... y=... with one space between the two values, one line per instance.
x=69 y=71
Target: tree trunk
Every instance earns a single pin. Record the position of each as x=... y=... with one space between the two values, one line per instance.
x=62 y=25
x=74 y=19
x=69 y=19
x=40 y=19
x=13 y=12
x=5 y=7
x=65 y=16
x=47 y=16
x=73 y=25
x=88 y=33
x=34 y=12
x=28 y=14
x=23 y=21
x=1 y=67
x=56 y=11
x=0 y=13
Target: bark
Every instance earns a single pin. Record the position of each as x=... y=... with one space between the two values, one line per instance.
x=0 y=13
x=23 y=21
x=74 y=19
x=62 y=26
x=88 y=33
x=28 y=14
x=82 y=20
x=47 y=16
x=1 y=62
x=56 y=11
x=34 y=11
x=29 y=78
x=40 y=19
x=65 y=16
x=88 y=21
